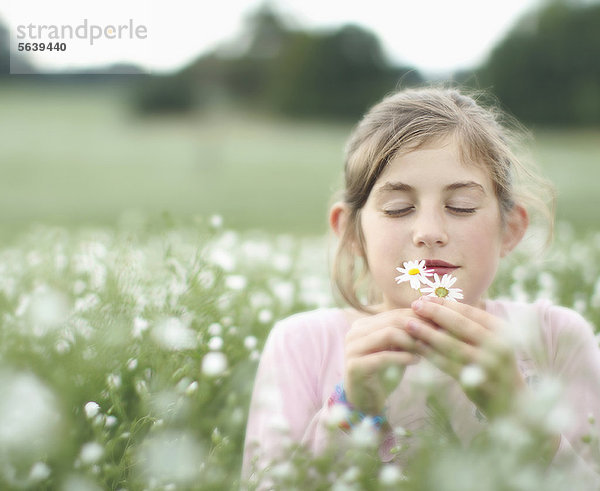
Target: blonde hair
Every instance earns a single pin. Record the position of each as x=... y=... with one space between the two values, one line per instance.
x=408 y=120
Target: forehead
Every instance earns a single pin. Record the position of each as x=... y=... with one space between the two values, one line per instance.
x=441 y=161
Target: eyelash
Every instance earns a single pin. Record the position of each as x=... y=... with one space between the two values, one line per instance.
x=406 y=211
x=462 y=211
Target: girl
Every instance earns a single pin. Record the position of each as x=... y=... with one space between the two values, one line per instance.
x=432 y=188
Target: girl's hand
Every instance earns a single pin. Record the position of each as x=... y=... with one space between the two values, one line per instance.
x=464 y=336
x=373 y=344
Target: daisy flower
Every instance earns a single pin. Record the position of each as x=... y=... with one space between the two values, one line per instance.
x=442 y=288
x=413 y=272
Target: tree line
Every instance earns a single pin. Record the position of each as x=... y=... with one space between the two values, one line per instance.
x=545 y=71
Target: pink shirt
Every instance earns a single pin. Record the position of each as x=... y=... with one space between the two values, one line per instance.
x=303 y=360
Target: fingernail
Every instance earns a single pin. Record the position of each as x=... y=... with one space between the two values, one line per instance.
x=412 y=326
x=417 y=305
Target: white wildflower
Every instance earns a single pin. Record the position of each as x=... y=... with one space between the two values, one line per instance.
x=29 y=416
x=215 y=343
x=216 y=221
x=84 y=304
x=139 y=326
x=580 y=305
x=414 y=272
x=400 y=432
x=62 y=346
x=236 y=282
x=425 y=375
x=91 y=453
x=390 y=475
x=113 y=380
x=279 y=423
x=91 y=409
x=257 y=251
x=207 y=279
x=141 y=387
x=283 y=470
x=365 y=433
x=442 y=287
x=215 y=329
x=47 y=309
x=351 y=475
x=223 y=259
x=25 y=300
x=472 y=376
x=284 y=291
x=214 y=364
x=338 y=413
x=250 y=342
x=265 y=316
x=39 y=472
x=192 y=388
x=282 y=262
x=237 y=416
x=173 y=335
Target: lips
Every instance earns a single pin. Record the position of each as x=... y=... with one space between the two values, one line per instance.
x=439 y=267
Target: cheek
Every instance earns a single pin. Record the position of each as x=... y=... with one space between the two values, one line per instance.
x=482 y=247
x=381 y=239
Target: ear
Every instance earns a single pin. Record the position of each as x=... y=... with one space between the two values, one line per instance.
x=338 y=218
x=339 y=221
x=515 y=227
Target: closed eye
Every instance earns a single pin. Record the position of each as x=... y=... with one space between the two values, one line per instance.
x=399 y=213
x=461 y=211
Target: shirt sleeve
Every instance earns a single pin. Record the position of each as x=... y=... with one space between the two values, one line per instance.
x=286 y=407
x=576 y=363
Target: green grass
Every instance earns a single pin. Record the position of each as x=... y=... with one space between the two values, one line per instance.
x=108 y=377
x=79 y=156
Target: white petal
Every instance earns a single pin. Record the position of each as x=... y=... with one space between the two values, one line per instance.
x=415 y=282
x=451 y=280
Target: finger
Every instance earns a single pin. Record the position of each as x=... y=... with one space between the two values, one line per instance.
x=475 y=314
x=443 y=343
x=365 y=325
x=374 y=362
x=446 y=365
x=385 y=339
x=453 y=321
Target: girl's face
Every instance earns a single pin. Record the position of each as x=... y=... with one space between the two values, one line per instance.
x=429 y=205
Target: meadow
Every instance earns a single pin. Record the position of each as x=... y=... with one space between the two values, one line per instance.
x=74 y=156
x=143 y=263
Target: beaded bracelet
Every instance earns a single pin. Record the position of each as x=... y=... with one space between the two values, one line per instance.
x=354 y=416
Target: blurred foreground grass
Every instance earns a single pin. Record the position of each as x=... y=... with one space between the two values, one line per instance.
x=78 y=156
x=127 y=358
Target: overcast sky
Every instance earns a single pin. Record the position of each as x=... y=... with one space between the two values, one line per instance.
x=436 y=36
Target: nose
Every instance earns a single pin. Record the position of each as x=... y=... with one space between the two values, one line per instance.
x=429 y=229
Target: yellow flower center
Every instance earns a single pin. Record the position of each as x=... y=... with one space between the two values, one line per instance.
x=414 y=271
x=440 y=291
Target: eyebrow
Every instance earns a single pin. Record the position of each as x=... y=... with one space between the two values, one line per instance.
x=400 y=186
